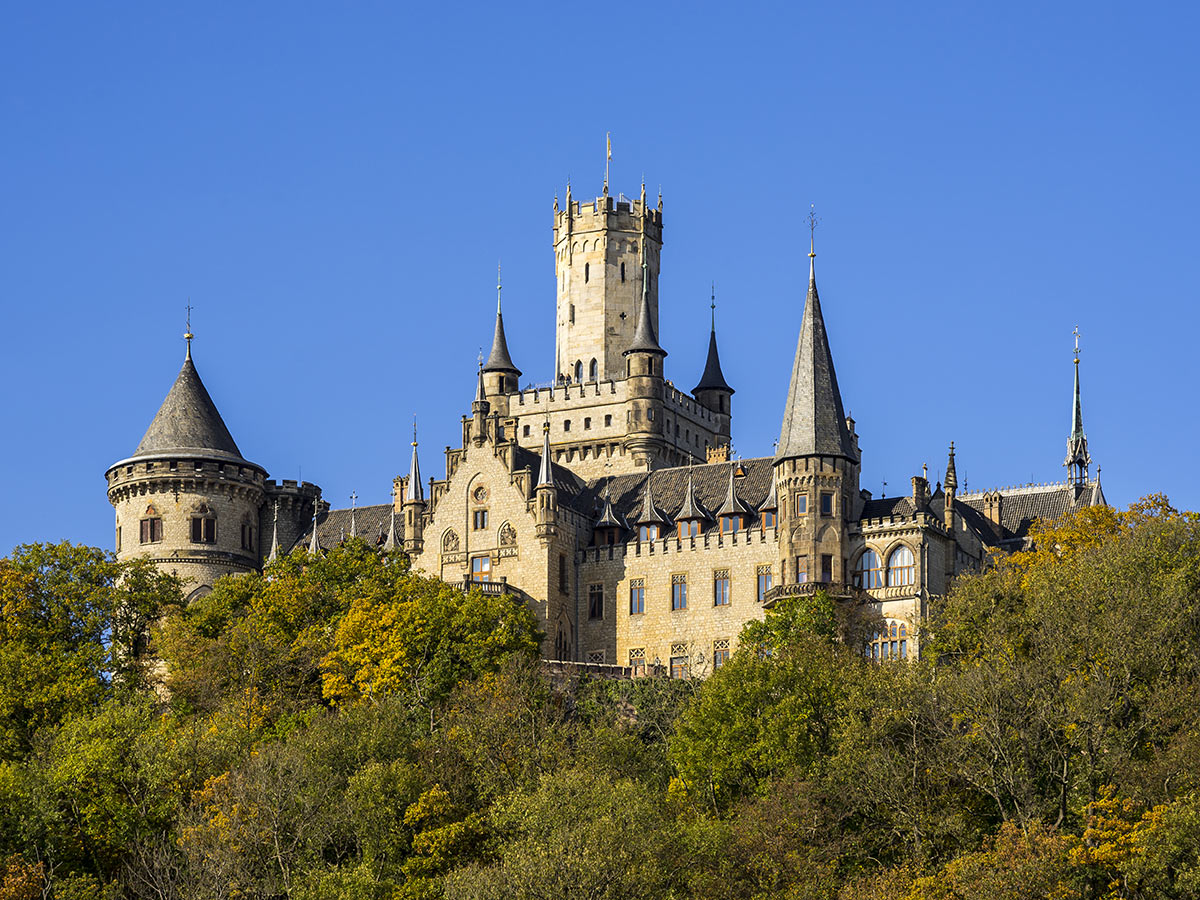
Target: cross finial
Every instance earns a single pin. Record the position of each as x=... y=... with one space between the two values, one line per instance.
x=414 y=443
x=1076 y=333
x=353 y=498
x=813 y=221
x=713 y=306
x=499 y=286
x=187 y=333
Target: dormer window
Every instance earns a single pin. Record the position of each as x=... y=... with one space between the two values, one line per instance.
x=768 y=519
x=731 y=524
x=648 y=532
x=689 y=528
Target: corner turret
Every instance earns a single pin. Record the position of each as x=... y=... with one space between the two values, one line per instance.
x=414 y=505
x=500 y=375
x=644 y=373
x=546 y=493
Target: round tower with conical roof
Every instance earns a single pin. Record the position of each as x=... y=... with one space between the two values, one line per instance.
x=187 y=498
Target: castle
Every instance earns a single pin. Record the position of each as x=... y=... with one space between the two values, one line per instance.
x=606 y=498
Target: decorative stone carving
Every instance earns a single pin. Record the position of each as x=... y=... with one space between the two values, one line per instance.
x=450 y=542
x=508 y=535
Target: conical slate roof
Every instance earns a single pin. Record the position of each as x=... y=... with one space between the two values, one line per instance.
x=499 y=360
x=734 y=505
x=691 y=508
x=713 y=378
x=644 y=338
x=188 y=422
x=814 y=422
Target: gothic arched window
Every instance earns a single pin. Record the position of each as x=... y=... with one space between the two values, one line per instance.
x=901 y=568
x=578 y=371
x=890 y=641
x=868 y=573
x=593 y=370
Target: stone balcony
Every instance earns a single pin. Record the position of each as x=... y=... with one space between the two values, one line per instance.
x=835 y=589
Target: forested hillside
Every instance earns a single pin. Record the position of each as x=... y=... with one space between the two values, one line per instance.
x=343 y=728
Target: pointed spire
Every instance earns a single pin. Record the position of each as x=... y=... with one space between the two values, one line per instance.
x=814 y=423
x=353 y=515
x=951 y=482
x=1078 y=459
x=644 y=338
x=274 y=554
x=499 y=360
x=609 y=518
x=480 y=393
x=650 y=513
x=691 y=507
x=390 y=543
x=414 y=493
x=713 y=378
x=771 y=502
x=734 y=505
x=545 y=472
x=314 y=544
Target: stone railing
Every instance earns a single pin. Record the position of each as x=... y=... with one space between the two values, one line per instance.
x=834 y=589
x=487 y=588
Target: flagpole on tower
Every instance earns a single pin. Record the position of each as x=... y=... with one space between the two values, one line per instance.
x=607 y=160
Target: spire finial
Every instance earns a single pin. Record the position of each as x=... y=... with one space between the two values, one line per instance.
x=813 y=221
x=607 y=159
x=499 y=288
x=187 y=333
x=414 y=441
x=1076 y=333
x=713 y=306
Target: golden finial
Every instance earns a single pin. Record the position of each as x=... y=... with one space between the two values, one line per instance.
x=1076 y=333
x=414 y=441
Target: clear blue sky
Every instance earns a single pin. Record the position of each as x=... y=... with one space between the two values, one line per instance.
x=333 y=184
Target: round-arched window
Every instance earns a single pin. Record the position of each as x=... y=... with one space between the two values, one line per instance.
x=901 y=568
x=868 y=572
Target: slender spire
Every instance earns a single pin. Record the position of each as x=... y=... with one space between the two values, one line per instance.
x=713 y=378
x=414 y=493
x=650 y=512
x=814 y=423
x=499 y=359
x=274 y=554
x=644 y=338
x=1078 y=459
x=390 y=543
x=545 y=472
x=951 y=472
x=314 y=544
x=353 y=514
x=608 y=516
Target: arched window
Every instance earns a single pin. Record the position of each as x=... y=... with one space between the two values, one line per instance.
x=868 y=573
x=578 y=371
x=890 y=641
x=593 y=370
x=901 y=569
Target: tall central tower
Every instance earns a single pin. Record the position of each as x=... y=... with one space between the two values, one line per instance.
x=598 y=250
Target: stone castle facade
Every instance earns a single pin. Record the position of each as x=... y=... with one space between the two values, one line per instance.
x=606 y=498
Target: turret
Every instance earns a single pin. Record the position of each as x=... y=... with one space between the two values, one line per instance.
x=816 y=462
x=480 y=407
x=414 y=505
x=546 y=492
x=187 y=498
x=714 y=391
x=500 y=375
x=644 y=372
x=951 y=490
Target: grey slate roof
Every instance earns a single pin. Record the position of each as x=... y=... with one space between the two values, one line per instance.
x=668 y=486
x=188 y=422
x=644 y=338
x=886 y=507
x=733 y=504
x=692 y=508
x=499 y=360
x=372 y=523
x=814 y=421
x=713 y=378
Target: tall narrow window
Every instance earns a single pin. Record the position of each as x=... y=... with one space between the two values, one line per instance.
x=152 y=530
x=247 y=536
x=801 y=569
x=826 y=568
x=637 y=661
x=563 y=584
x=721 y=587
x=479 y=519
x=800 y=504
x=826 y=504
x=637 y=597
x=204 y=530
x=679 y=661
x=118 y=538
x=587 y=271
x=593 y=370
x=622 y=273
x=571 y=314
x=678 y=592
x=595 y=601
x=768 y=519
x=764 y=582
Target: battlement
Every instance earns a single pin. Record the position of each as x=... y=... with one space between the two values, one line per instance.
x=614 y=214
x=183 y=466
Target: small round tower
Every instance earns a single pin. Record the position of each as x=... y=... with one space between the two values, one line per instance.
x=644 y=357
x=187 y=498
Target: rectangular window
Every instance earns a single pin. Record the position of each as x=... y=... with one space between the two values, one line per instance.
x=764 y=582
x=801 y=504
x=826 y=504
x=768 y=519
x=587 y=424
x=247 y=537
x=480 y=520
x=607 y=421
x=481 y=568
x=118 y=538
x=204 y=530
x=801 y=569
x=721 y=587
x=720 y=652
x=637 y=661
x=563 y=584
x=678 y=592
x=152 y=530
x=595 y=601
x=637 y=597
x=826 y=568
x=679 y=667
